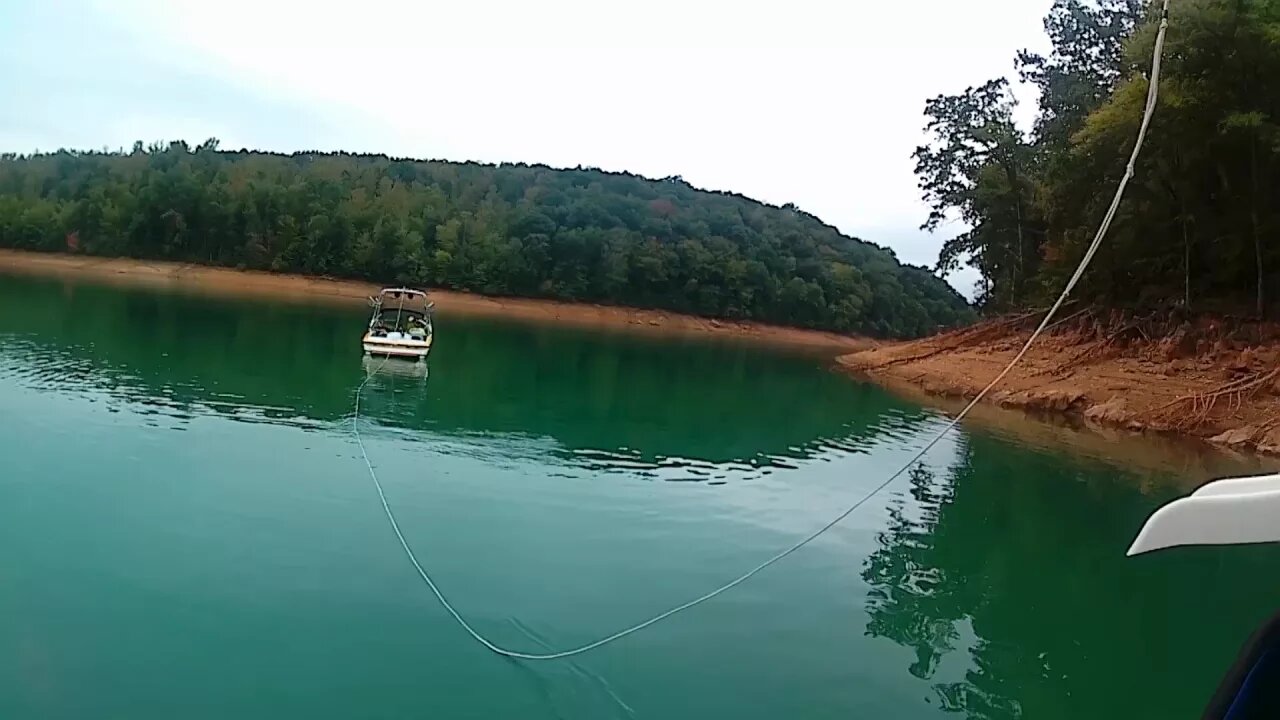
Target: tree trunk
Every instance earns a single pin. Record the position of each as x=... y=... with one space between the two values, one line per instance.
x=1019 y=271
x=1184 y=219
x=986 y=280
x=1016 y=271
x=1255 y=226
x=1186 y=264
x=1186 y=253
x=1257 y=257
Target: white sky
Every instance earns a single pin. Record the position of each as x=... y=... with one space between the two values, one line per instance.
x=816 y=103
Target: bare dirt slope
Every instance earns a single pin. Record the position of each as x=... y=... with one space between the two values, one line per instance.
x=1210 y=378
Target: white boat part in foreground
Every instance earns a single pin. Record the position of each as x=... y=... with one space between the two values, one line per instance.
x=1235 y=511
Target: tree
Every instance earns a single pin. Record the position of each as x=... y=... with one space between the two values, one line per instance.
x=1087 y=61
x=1200 y=217
x=977 y=168
x=1257 y=130
x=513 y=229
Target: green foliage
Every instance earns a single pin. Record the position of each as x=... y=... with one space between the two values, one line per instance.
x=582 y=234
x=978 y=167
x=1198 y=226
x=1088 y=59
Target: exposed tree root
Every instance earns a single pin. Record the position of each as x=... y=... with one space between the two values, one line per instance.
x=1190 y=411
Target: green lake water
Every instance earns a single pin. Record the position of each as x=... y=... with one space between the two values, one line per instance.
x=187 y=531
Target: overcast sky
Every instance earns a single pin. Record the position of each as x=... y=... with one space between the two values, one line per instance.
x=812 y=102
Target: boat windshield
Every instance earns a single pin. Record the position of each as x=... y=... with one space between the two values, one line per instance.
x=404 y=321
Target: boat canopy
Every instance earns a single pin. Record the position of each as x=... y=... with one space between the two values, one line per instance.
x=405 y=298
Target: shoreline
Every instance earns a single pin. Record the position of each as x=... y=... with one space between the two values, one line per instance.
x=1198 y=384
x=229 y=282
x=931 y=371
x=1181 y=461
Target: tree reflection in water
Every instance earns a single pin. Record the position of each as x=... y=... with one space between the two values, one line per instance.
x=1011 y=564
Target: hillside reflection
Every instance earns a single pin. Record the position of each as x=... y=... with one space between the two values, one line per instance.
x=603 y=399
x=1005 y=566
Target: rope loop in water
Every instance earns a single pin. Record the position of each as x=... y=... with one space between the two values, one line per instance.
x=1152 y=96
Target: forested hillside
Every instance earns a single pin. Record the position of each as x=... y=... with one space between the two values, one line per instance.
x=1200 y=223
x=582 y=235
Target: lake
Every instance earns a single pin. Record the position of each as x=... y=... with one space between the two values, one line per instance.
x=187 y=530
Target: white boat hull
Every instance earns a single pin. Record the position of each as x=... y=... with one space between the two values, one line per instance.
x=399 y=348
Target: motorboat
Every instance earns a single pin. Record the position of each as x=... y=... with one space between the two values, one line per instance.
x=401 y=324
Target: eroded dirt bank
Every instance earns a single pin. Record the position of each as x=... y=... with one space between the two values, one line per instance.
x=1210 y=378
x=244 y=283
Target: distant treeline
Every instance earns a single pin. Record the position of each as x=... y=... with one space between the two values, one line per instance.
x=1201 y=220
x=579 y=235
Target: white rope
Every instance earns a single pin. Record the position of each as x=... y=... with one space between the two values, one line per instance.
x=1152 y=95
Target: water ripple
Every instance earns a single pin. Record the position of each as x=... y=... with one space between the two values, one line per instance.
x=407 y=407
